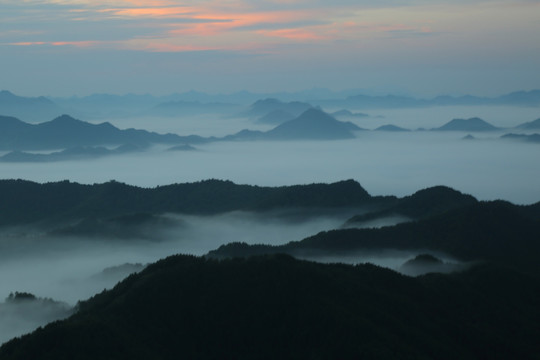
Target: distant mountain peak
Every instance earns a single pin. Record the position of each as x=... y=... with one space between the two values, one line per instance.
x=390 y=127
x=471 y=124
x=530 y=125
x=312 y=124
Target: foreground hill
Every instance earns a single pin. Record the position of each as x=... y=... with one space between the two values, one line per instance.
x=67 y=132
x=276 y=307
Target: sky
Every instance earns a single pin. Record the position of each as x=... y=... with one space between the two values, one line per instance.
x=413 y=47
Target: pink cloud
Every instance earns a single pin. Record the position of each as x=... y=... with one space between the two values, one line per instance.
x=294 y=34
x=79 y=44
x=157 y=12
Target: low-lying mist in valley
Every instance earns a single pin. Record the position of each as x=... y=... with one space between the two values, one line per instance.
x=384 y=163
x=70 y=268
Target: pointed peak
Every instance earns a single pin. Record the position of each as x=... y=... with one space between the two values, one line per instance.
x=65 y=118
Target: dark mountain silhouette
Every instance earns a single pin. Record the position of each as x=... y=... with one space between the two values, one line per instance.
x=422 y=204
x=276 y=117
x=26 y=202
x=28 y=108
x=75 y=153
x=130 y=226
x=427 y=263
x=313 y=124
x=468 y=137
x=266 y=106
x=494 y=231
x=67 y=132
x=276 y=307
x=533 y=138
x=531 y=125
x=472 y=124
x=391 y=127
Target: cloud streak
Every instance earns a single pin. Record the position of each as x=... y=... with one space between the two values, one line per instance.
x=192 y=26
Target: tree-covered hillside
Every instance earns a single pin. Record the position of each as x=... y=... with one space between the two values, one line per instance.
x=278 y=307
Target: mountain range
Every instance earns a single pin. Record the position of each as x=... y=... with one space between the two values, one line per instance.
x=74 y=135
x=98 y=106
x=67 y=132
x=25 y=202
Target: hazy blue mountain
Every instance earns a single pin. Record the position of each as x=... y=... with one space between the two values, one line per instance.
x=313 y=124
x=531 y=125
x=98 y=106
x=472 y=124
x=388 y=101
x=67 y=132
x=533 y=138
x=468 y=137
x=183 y=147
x=276 y=307
x=348 y=113
x=519 y=98
x=177 y=108
x=246 y=135
x=266 y=106
x=31 y=109
x=276 y=117
x=391 y=128
x=75 y=153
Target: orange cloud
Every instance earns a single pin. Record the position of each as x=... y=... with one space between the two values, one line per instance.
x=154 y=46
x=163 y=12
x=216 y=23
x=80 y=44
x=28 y=43
x=294 y=34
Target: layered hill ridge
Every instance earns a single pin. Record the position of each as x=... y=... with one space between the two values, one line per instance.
x=27 y=202
x=495 y=231
x=424 y=203
x=29 y=108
